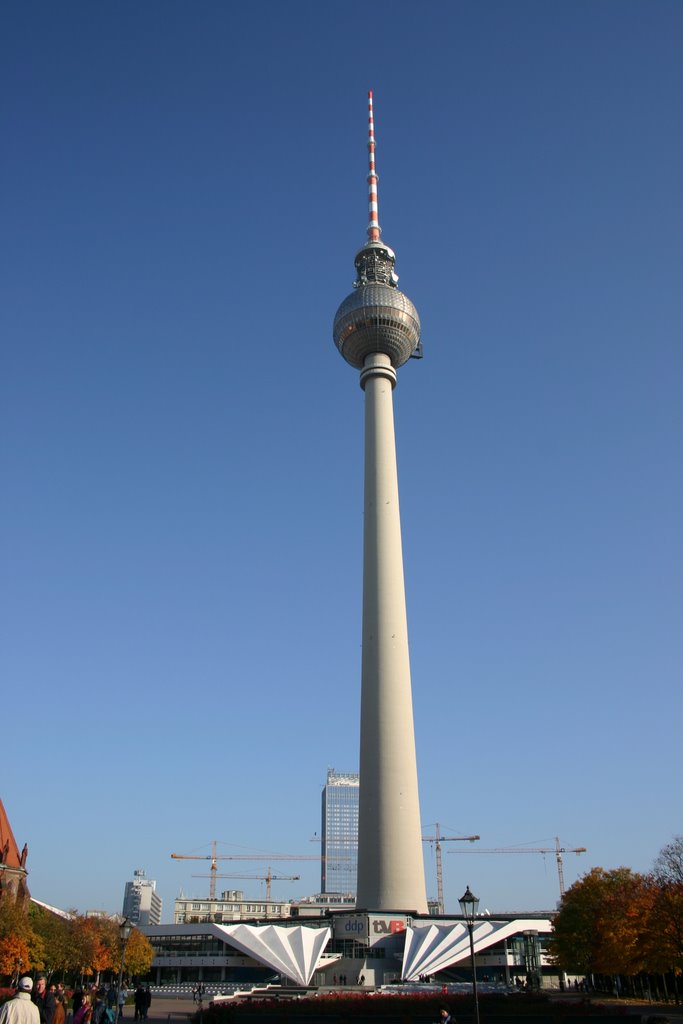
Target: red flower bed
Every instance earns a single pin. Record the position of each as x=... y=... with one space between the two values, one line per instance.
x=363 y=1008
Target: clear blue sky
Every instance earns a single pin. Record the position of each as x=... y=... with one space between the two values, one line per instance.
x=183 y=195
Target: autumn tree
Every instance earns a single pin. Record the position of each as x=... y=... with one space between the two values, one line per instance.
x=15 y=955
x=139 y=953
x=54 y=932
x=67 y=944
x=88 y=951
x=18 y=940
x=599 y=926
x=106 y=947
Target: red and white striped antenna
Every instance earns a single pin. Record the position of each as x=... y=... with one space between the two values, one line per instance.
x=374 y=230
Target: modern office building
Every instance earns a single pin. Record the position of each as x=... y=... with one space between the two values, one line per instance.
x=141 y=904
x=339 y=849
x=377 y=330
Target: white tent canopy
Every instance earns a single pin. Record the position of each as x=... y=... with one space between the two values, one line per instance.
x=294 y=952
x=431 y=949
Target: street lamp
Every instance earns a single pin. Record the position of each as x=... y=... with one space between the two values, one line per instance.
x=125 y=928
x=469 y=904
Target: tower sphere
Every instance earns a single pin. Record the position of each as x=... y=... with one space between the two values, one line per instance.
x=376 y=317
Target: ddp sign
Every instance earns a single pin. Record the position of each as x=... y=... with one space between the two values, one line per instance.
x=353 y=926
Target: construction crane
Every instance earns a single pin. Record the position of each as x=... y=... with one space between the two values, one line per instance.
x=438 y=839
x=214 y=857
x=262 y=878
x=557 y=849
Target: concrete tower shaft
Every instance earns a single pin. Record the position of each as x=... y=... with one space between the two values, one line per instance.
x=390 y=858
x=377 y=329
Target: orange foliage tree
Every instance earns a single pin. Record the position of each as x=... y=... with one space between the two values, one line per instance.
x=33 y=937
x=18 y=940
x=15 y=955
x=105 y=948
x=599 y=927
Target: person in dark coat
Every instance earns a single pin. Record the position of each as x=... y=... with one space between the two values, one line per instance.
x=98 y=1008
x=139 y=1000
x=44 y=1000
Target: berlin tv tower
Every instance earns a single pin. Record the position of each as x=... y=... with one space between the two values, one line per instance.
x=377 y=329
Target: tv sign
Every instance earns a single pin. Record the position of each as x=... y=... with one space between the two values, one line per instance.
x=391 y=927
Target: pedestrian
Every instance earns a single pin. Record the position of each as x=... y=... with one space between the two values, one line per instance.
x=77 y=999
x=148 y=1000
x=445 y=1017
x=99 y=1008
x=139 y=1001
x=44 y=1000
x=20 y=1009
x=83 y=1014
x=123 y=995
x=60 y=1015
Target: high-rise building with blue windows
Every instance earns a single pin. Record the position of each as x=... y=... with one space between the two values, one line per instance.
x=339 y=833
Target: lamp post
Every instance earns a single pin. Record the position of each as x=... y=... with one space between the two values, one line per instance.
x=125 y=928
x=469 y=904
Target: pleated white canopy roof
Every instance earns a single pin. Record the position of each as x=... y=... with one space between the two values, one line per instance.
x=294 y=952
x=430 y=949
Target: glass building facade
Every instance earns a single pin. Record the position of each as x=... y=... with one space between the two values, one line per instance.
x=339 y=851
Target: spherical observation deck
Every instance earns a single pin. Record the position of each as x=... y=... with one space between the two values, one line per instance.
x=376 y=317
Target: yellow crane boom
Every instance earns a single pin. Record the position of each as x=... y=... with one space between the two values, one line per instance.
x=214 y=857
x=262 y=878
x=557 y=849
x=438 y=839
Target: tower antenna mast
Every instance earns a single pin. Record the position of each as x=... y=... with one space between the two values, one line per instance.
x=374 y=230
